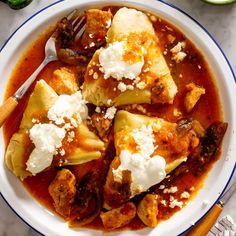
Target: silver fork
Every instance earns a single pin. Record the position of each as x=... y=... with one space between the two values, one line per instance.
x=50 y=55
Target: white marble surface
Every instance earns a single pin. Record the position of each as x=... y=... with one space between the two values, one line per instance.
x=220 y=22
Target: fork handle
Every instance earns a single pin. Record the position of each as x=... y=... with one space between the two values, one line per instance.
x=7 y=108
x=203 y=227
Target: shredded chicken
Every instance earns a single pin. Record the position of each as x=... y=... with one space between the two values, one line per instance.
x=118 y=217
x=193 y=95
x=148 y=209
x=63 y=190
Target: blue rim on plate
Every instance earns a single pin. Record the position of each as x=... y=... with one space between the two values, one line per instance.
x=194 y=20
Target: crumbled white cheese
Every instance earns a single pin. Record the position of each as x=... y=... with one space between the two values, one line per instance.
x=178 y=47
x=122 y=86
x=113 y=65
x=178 y=57
x=68 y=126
x=72 y=107
x=157 y=125
x=35 y=121
x=90 y=72
x=109 y=102
x=146 y=70
x=141 y=108
x=91 y=36
x=141 y=85
x=71 y=136
x=172 y=198
x=110 y=113
x=144 y=137
x=177 y=54
x=98 y=109
x=170 y=190
x=205 y=203
x=130 y=87
x=108 y=23
x=145 y=170
x=176 y=203
x=62 y=152
x=92 y=44
x=153 y=18
x=192 y=188
x=162 y=186
x=185 y=194
x=117 y=174
x=137 y=80
x=47 y=138
x=95 y=75
x=163 y=202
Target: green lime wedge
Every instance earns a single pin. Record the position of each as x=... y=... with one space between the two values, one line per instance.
x=219 y=2
x=17 y=4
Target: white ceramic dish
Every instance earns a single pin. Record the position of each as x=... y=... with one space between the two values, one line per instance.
x=35 y=215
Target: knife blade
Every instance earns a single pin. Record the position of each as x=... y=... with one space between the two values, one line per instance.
x=227 y=195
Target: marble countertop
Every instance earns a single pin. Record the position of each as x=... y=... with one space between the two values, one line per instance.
x=220 y=21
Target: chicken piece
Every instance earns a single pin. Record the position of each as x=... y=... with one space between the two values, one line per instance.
x=148 y=209
x=64 y=81
x=97 y=24
x=118 y=217
x=193 y=95
x=62 y=189
x=101 y=124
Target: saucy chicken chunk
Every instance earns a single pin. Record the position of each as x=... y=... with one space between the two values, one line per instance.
x=97 y=24
x=101 y=124
x=63 y=190
x=64 y=81
x=193 y=95
x=148 y=209
x=118 y=217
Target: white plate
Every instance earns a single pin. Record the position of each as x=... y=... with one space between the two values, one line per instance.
x=35 y=215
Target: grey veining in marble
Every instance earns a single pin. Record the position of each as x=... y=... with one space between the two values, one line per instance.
x=220 y=21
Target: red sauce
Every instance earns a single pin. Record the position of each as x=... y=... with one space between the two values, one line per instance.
x=193 y=69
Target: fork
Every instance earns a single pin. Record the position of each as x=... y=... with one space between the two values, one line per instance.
x=11 y=103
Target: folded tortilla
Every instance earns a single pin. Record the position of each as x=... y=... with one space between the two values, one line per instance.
x=20 y=146
x=159 y=87
x=125 y=122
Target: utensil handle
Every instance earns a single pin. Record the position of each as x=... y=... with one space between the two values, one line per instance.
x=203 y=227
x=7 y=108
